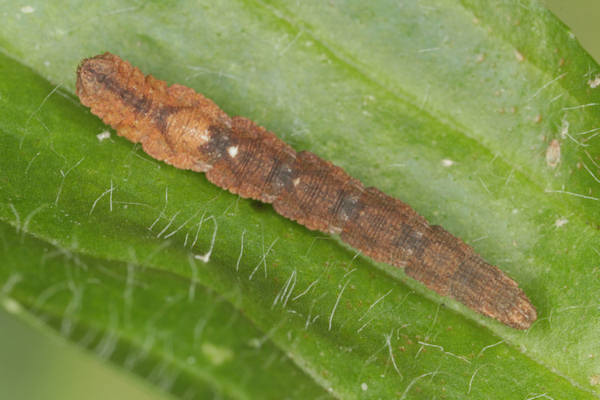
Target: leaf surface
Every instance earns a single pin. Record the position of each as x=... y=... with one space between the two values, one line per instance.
x=450 y=107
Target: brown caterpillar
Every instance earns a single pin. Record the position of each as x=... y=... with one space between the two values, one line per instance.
x=183 y=128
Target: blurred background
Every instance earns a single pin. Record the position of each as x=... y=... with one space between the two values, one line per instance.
x=34 y=365
x=582 y=17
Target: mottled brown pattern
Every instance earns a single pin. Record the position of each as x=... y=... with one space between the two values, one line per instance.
x=187 y=130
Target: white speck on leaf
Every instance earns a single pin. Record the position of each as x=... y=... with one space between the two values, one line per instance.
x=103 y=136
x=217 y=355
x=594 y=83
x=560 y=222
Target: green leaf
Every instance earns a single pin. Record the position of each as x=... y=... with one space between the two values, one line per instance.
x=450 y=107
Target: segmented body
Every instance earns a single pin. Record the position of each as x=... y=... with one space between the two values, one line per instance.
x=183 y=128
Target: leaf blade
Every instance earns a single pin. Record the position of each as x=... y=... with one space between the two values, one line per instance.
x=406 y=130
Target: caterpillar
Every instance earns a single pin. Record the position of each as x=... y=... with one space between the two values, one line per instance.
x=183 y=128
